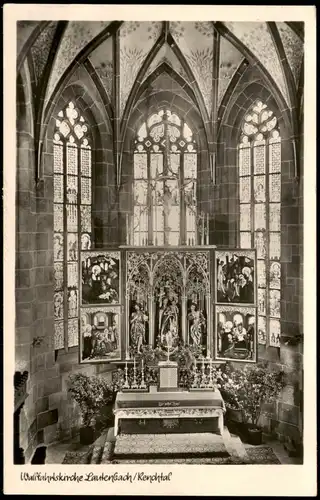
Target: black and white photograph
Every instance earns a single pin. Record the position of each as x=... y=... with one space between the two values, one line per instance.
x=159 y=244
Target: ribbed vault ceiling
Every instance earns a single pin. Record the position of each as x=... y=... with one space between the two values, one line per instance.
x=55 y=49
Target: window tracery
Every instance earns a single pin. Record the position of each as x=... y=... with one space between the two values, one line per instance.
x=260 y=211
x=72 y=172
x=165 y=182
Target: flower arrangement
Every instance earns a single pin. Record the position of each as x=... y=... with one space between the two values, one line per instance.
x=184 y=354
x=91 y=393
x=186 y=376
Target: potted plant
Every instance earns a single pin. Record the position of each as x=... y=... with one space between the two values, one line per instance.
x=91 y=393
x=230 y=382
x=259 y=385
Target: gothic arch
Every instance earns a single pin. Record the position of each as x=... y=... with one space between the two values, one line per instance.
x=239 y=105
x=267 y=79
x=25 y=104
x=132 y=99
x=176 y=103
x=89 y=109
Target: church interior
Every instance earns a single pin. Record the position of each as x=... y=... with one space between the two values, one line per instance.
x=159 y=242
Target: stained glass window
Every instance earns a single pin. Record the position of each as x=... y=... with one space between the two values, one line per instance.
x=260 y=212
x=72 y=218
x=165 y=182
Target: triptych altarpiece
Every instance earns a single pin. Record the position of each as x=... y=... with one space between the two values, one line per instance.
x=200 y=296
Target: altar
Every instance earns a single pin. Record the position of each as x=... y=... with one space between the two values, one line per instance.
x=172 y=408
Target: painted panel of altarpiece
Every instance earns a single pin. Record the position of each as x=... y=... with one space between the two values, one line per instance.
x=167 y=297
x=100 y=272
x=100 y=334
x=235 y=277
x=235 y=334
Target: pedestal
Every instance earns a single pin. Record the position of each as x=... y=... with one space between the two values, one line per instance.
x=168 y=375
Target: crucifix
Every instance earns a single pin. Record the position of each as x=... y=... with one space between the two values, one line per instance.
x=168 y=175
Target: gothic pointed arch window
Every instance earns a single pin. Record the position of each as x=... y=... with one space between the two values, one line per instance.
x=260 y=212
x=72 y=198
x=165 y=182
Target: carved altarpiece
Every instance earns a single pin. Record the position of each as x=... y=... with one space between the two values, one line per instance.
x=167 y=292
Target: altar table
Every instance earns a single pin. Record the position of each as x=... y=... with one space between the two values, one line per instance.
x=169 y=405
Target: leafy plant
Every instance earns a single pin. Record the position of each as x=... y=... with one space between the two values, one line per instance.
x=249 y=388
x=91 y=393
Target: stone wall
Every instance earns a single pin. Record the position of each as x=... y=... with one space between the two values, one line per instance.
x=49 y=414
x=284 y=418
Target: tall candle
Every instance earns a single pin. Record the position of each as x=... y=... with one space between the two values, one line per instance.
x=155 y=219
x=207 y=235
x=127 y=229
x=202 y=235
x=130 y=230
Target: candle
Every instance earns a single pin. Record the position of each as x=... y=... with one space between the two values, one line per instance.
x=207 y=235
x=127 y=228
x=202 y=235
x=130 y=230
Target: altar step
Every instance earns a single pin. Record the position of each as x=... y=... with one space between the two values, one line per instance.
x=172 y=448
x=154 y=446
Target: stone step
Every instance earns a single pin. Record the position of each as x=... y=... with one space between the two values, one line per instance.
x=239 y=446
x=165 y=446
x=168 y=461
x=98 y=448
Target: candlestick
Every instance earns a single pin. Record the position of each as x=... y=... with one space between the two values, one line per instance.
x=210 y=374
x=203 y=377
x=134 y=385
x=143 y=384
x=195 y=376
x=126 y=383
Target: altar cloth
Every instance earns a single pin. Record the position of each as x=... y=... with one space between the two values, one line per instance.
x=169 y=399
x=170 y=406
